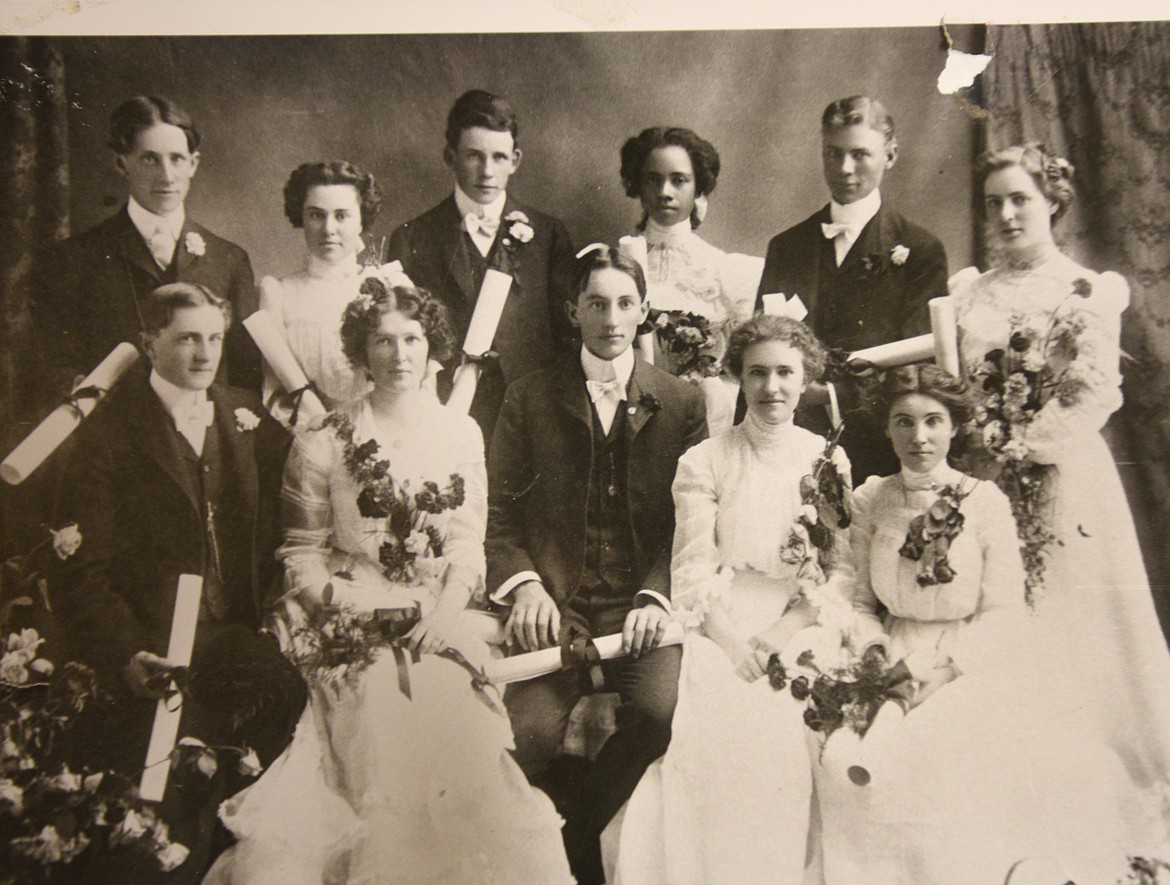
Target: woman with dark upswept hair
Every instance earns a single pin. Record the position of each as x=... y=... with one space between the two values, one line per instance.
x=1058 y=324
x=672 y=172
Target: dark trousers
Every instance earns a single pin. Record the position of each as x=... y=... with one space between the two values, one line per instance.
x=540 y=709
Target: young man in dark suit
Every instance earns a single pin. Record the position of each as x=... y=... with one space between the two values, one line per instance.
x=175 y=475
x=864 y=271
x=580 y=526
x=448 y=249
x=90 y=287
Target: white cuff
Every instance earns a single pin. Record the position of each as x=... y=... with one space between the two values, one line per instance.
x=505 y=589
x=656 y=597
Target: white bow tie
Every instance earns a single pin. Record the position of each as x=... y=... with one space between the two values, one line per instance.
x=195 y=415
x=600 y=390
x=482 y=224
x=834 y=230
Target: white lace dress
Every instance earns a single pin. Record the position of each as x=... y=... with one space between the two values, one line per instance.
x=688 y=273
x=307 y=308
x=991 y=769
x=1094 y=611
x=730 y=800
x=378 y=787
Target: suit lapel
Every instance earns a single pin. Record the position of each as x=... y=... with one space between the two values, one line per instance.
x=641 y=398
x=571 y=393
x=453 y=248
x=237 y=449
x=149 y=424
x=871 y=242
x=127 y=243
x=183 y=258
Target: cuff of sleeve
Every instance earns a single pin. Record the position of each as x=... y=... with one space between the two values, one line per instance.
x=500 y=596
x=645 y=597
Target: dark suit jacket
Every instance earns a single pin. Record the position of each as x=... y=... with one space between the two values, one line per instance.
x=534 y=329
x=540 y=467
x=87 y=288
x=869 y=300
x=142 y=526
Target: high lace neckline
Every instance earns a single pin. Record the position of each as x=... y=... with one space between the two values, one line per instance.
x=763 y=435
x=662 y=235
x=332 y=270
x=942 y=474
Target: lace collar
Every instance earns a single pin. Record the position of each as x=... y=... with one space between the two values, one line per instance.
x=767 y=436
x=674 y=235
x=943 y=474
x=332 y=270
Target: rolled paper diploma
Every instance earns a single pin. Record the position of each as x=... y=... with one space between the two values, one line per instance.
x=463 y=387
x=489 y=307
x=63 y=420
x=946 y=334
x=166 y=720
x=898 y=353
x=635 y=249
x=548 y=660
x=284 y=365
x=775 y=304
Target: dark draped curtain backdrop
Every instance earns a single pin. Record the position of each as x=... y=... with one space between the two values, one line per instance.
x=34 y=194
x=1100 y=95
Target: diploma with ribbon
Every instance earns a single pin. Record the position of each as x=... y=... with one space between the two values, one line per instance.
x=284 y=365
x=481 y=331
x=946 y=334
x=63 y=420
x=548 y=660
x=635 y=249
x=166 y=716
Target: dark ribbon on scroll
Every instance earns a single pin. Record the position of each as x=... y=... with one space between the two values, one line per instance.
x=73 y=399
x=172 y=684
x=839 y=367
x=297 y=395
x=578 y=652
x=481 y=359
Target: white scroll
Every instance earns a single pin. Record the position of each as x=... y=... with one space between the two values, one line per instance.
x=634 y=248
x=537 y=663
x=489 y=307
x=898 y=353
x=280 y=358
x=63 y=420
x=166 y=720
x=946 y=335
x=775 y=304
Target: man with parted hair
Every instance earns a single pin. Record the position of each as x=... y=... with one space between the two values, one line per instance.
x=864 y=271
x=448 y=250
x=89 y=288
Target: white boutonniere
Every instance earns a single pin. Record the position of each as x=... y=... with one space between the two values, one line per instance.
x=246 y=420
x=194 y=243
x=519 y=228
x=899 y=254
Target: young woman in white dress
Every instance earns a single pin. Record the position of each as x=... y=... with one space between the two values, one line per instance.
x=730 y=800
x=383 y=785
x=988 y=770
x=1093 y=606
x=333 y=203
x=672 y=171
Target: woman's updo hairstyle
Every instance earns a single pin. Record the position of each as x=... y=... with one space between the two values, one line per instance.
x=364 y=314
x=704 y=159
x=765 y=327
x=308 y=175
x=1051 y=173
x=925 y=379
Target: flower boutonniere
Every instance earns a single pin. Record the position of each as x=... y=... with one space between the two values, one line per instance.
x=899 y=254
x=194 y=243
x=650 y=403
x=518 y=231
x=930 y=535
x=246 y=420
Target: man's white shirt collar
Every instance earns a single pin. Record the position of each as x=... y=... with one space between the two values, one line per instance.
x=468 y=206
x=618 y=369
x=858 y=213
x=172 y=396
x=147 y=222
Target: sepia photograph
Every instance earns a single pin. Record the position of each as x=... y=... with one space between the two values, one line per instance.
x=595 y=442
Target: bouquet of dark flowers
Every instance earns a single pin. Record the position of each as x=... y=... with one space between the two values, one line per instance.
x=928 y=540
x=1013 y=384
x=849 y=696
x=824 y=498
x=689 y=343
x=409 y=537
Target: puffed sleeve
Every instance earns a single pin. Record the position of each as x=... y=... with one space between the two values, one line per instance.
x=272 y=303
x=307 y=511
x=463 y=545
x=1095 y=370
x=695 y=561
x=739 y=277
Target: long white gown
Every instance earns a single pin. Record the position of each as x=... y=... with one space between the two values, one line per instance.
x=991 y=769
x=307 y=308
x=1094 y=613
x=378 y=787
x=687 y=273
x=730 y=800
